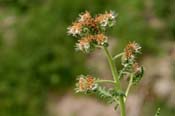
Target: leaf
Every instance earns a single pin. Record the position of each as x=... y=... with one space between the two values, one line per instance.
x=157 y=112
x=138 y=76
x=116 y=106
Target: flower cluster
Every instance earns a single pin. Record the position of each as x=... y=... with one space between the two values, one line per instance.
x=129 y=61
x=107 y=19
x=85 y=83
x=131 y=50
x=90 y=41
x=90 y=30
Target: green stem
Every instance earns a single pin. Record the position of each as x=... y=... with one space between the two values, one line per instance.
x=129 y=86
x=105 y=81
x=112 y=66
x=117 y=56
x=116 y=79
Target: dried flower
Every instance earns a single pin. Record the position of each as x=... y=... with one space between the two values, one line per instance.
x=136 y=68
x=104 y=19
x=85 y=43
x=75 y=29
x=86 y=20
x=84 y=16
x=85 y=83
x=138 y=72
x=89 y=30
x=131 y=49
x=101 y=39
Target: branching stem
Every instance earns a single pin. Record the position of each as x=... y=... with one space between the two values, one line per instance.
x=117 y=56
x=116 y=79
x=129 y=86
x=105 y=81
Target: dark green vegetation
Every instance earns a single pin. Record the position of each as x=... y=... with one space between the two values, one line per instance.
x=41 y=57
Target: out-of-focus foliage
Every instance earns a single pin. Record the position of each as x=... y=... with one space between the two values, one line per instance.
x=42 y=58
x=165 y=11
x=21 y=5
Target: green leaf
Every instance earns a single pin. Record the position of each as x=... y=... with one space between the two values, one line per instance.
x=157 y=112
x=138 y=76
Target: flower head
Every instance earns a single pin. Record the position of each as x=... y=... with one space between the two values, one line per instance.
x=75 y=29
x=85 y=20
x=84 y=43
x=131 y=49
x=88 y=21
x=84 y=16
x=85 y=83
x=107 y=19
x=90 y=41
x=136 y=68
x=90 y=30
x=101 y=39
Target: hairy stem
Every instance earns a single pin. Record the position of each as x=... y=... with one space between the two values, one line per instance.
x=116 y=79
x=105 y=81
x=117 y=56
x=129 y=86
x=112 y=66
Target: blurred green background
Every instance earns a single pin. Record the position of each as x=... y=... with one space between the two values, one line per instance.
x=38 y=58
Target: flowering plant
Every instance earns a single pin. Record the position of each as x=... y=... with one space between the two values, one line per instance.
x=90 y=32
